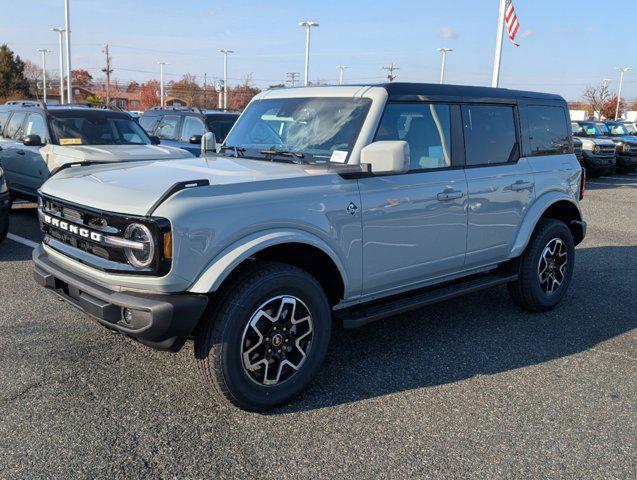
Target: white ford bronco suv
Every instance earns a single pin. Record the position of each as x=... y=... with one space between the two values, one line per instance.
x=344 y=203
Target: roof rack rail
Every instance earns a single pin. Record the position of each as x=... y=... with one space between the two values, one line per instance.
x=175 y=107
x=27 y=103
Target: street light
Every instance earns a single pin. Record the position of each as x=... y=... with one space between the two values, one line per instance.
x=340 y=75
x=308 y=25
x=621 y=70
x=67 y=27
x=225 y=52
x=61 y=31
x=161 y=82
x=44 y=51
x=444 y=51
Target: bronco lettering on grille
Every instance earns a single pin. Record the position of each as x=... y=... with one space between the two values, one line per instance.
x=73 y=229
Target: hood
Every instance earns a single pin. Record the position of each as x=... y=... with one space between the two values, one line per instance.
x=57 y=155
x=596 y=141
x=133 y=187
x=632 y=139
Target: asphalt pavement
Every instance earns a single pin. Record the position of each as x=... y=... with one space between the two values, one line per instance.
x=469 y=388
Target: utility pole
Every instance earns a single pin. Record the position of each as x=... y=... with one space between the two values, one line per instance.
x=292 y=76
x=444 y=51
x=621 y=70
x=161 y=83
x=225 y=52
x=67 y=27
x=390 y=71
x=340 y=73
x=495 y=80
x=60 y=31
x=205 y=82
x=308 y=26
x=44 y=51
x=108 y=70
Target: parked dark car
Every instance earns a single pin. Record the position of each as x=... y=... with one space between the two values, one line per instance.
x=626 y=144
x=183 y=127
x=598 y=150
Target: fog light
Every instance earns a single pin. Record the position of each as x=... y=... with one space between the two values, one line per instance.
x=128 y=315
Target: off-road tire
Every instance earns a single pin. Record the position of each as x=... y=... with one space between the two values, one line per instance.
x=526 y=291
x=218 y=339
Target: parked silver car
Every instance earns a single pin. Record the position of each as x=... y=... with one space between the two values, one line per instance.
x=349 y=203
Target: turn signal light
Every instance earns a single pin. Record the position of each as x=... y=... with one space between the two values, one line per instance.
x=168 y=246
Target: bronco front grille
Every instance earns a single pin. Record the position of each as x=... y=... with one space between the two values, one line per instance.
x=85 y=230
x=606 y=150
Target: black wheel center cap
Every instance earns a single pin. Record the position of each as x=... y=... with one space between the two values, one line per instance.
x=277 y=340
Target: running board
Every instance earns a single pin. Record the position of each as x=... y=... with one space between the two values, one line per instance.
x=361 y=315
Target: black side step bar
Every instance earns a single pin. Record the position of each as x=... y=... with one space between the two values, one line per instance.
x=361 y=315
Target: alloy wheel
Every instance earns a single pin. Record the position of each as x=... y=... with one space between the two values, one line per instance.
x=552 y=266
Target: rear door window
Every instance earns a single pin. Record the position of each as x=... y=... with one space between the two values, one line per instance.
x=167 y=128
x=548 y=130
x=490 y=134
x=14 y=129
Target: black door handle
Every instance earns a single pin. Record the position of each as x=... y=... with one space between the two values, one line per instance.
x=20 y=152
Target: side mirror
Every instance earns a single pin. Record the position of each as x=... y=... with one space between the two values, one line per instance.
x=208 y=143
x=195 y=139
x=32 y=141
x=387 y=156
x=155 y=140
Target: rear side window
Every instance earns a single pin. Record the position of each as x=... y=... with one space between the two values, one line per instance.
x=426 y=127
x=14 y=127
x=148 y=123
x=167 y=128
x=489 y=133
x=548 y=130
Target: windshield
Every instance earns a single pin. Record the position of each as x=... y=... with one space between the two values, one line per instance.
x=96 y=128
x=617 y=129
x=314 y=129
x=592 y=129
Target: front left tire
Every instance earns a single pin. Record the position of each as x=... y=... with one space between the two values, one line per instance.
x=264 y=337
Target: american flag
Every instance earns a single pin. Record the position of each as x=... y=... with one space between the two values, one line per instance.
x=511 y=21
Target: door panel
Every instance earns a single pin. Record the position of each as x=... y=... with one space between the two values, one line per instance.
x=11 y=160
x=499 y=197
x=414 y=227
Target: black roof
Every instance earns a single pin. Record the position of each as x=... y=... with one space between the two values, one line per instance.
x=436 y=91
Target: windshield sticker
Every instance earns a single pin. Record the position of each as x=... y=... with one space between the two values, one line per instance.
x=70 y=141
x=338 y=156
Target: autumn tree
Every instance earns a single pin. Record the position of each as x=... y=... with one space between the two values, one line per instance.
x=595 y=96
x=240 y=96
x=609 y=106
x=81 y=78
x=13 y=83
x=186 y=89
x=132 y=87
x=149 y=93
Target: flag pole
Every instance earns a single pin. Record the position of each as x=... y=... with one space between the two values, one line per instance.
x=495 y=81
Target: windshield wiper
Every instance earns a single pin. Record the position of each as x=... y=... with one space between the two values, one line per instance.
x=237 y=150
x=281 y=153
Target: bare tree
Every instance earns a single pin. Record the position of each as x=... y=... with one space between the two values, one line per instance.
x=596 y=96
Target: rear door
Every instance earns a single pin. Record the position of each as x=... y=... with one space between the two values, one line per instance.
x=415 y=224
x=500 y=182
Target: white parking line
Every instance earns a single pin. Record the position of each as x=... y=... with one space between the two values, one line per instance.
x=619 y=178
x=23 y=241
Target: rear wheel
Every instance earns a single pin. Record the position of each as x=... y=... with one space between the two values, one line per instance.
x=546 y=267
x=265 y=337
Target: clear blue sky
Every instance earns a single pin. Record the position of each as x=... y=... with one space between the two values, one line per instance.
x=565 y=44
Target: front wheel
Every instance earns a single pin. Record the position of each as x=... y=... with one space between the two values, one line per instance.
x=265 y=337
x=545 y=268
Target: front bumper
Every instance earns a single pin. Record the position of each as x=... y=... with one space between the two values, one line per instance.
x=161 y=321
x=626 y=160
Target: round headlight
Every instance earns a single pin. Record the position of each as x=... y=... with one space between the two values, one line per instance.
x=139 y=257
x=596 y=149
x=626 y=147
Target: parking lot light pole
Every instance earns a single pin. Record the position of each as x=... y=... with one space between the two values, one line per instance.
x=444 y=51
x=308 y=25
x=621 y=70
x=67 y=28
x=44 y=51
x=60 y=31
x=225 y=52
x=340 y=73
x=161 y=83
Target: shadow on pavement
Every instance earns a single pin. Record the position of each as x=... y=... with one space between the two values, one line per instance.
x=480 y=334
